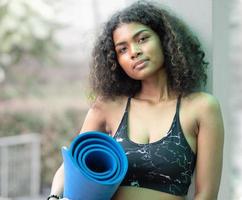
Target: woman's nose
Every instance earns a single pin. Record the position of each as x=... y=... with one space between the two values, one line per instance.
x=135 y=51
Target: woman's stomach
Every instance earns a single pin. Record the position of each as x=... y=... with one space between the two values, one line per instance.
x=138 y=193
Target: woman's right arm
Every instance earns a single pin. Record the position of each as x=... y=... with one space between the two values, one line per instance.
x=94 y=121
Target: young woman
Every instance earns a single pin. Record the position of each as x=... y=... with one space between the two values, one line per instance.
x=147 y=73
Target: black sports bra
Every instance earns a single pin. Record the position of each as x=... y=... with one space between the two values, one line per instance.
x=166 y=165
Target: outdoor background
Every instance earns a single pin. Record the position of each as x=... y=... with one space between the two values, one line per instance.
x=45 y=51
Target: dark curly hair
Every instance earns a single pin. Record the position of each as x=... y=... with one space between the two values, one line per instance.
x=184 y=58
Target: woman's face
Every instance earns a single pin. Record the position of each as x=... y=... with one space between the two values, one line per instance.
x=138 y=50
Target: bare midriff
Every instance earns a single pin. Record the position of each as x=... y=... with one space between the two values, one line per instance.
x=138 y=193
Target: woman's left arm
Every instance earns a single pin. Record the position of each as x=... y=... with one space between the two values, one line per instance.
x=210 y=141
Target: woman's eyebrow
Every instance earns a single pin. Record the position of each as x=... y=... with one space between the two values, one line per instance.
x=134 y=36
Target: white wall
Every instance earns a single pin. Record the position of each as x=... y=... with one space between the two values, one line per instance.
x=221 y=82
x=209 y=20
x=198 y=16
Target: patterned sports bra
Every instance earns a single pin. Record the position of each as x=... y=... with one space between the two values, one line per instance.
x=166 y=165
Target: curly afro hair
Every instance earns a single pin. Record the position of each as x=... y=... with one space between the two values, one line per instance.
x=184 y=58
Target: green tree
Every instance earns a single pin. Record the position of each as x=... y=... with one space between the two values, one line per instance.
x=26 y=28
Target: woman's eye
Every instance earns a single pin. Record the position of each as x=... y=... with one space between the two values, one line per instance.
x=142 y=39
x=122 y=50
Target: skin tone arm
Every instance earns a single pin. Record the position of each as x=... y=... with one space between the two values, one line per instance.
x=210 y=149
x=94 y=120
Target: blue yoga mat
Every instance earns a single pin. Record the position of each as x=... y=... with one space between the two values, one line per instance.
x=94 y=166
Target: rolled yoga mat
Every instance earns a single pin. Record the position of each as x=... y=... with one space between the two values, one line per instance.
x=94 y=166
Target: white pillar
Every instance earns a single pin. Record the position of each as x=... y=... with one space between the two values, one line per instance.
x=221 y=82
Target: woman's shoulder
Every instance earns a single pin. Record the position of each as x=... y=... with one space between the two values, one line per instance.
x=105 y=104
x=100 y=112
x=202 y=98
x=202 y=102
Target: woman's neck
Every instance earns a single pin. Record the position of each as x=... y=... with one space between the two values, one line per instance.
x=156 y=89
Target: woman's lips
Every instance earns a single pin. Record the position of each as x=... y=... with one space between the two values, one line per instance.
x=140 y=64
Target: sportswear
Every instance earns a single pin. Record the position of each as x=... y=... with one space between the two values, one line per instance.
x=166 y=165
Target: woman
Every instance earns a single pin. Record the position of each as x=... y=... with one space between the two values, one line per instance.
x=147 y=72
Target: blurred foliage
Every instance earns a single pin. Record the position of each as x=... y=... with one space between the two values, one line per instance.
x=27 y=28
x=56 y=130
x=45 y=100
x=17 y=122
